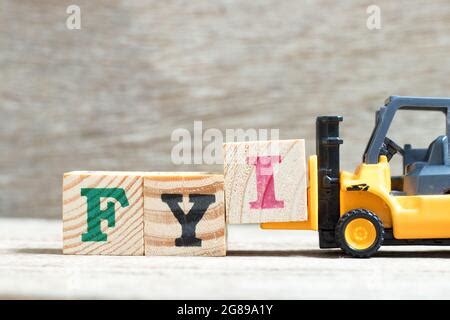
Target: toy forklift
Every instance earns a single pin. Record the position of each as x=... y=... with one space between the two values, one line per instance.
x=358 y=212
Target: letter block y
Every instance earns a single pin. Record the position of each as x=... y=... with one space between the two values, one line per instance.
x=184 y=214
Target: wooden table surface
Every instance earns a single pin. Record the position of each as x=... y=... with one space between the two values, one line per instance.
x=260 y=264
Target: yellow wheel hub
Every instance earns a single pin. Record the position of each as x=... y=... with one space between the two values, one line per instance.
x=360 y=234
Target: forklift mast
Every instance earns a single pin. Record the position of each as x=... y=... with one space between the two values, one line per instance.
x=327 y=148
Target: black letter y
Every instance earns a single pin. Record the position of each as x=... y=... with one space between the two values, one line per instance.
x=188 y=221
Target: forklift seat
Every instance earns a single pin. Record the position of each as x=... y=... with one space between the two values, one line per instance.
x=438 y=151
x=437 y=154
x=432 y=175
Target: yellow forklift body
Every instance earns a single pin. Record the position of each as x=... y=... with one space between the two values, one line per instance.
x=410 y=217
x=368 y=188
x=312 y=222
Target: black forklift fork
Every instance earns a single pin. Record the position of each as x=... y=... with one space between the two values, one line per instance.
x=327 y=149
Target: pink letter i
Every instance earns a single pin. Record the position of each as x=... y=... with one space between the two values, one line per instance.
x=264 y=182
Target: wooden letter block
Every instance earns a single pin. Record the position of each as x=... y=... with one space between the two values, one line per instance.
x=265 y=181
x=184 y=214
x=103 y=213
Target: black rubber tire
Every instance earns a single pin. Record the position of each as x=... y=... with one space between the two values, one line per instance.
x=346 y=219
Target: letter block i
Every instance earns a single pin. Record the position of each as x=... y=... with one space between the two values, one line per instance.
x=265 y=181
x=184 y=214
x=103 y=213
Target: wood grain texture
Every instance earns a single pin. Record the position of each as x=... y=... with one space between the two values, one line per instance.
x=137 y=70
x=126 y=237
x=284 y=177
x=161 y=227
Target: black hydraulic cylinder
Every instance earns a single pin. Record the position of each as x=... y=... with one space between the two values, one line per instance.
x=327 y=149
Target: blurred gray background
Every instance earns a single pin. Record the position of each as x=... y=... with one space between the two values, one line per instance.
x=108 y=96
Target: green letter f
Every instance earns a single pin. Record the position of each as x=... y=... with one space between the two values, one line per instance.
x=95 y=215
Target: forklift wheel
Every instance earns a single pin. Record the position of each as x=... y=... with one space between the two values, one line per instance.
x=359 y=233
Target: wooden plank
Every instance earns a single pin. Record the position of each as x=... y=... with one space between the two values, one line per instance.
x=265 y=181
x=184 y=214
x=103 y=213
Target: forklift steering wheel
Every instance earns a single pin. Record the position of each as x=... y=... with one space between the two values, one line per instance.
x=390 y=148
